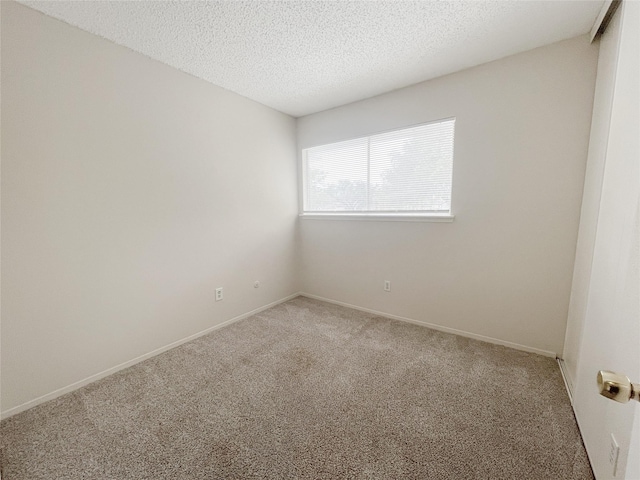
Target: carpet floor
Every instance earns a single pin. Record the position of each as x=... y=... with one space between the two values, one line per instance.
x=311 y=390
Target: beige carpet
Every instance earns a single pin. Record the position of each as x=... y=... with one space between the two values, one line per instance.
x=309 y=390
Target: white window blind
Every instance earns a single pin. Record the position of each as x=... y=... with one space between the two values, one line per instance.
x=402 y=171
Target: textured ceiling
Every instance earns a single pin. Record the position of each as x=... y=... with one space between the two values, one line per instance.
x=301 y=57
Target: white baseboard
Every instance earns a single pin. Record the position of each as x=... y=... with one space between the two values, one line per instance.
x=566 y=377
x=440 y=328
x=79 y=384
x=76 y=385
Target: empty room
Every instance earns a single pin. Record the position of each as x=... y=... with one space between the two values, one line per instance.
x=320 y=239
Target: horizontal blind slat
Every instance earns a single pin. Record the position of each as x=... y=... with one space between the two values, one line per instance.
x=408 y=170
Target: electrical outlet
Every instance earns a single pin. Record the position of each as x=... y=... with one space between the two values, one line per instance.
x=387 y=286
x=614 y=452
x=219 y=295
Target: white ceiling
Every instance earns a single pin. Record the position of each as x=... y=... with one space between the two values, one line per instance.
x=302 y=57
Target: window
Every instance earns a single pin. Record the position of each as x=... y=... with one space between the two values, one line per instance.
x=404 y=172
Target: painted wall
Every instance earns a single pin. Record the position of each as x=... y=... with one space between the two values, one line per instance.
x=503 y=268
x=130 y=191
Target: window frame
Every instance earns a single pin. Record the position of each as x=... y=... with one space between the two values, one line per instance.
x=393 y=216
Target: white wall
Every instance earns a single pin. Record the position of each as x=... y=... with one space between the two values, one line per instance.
x=503 y=268
x=130 y=191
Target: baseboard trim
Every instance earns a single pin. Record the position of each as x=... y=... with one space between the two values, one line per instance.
x=440 y=328
x=566 y=378
x=81 y=383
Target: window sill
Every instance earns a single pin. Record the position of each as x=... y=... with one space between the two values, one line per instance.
x=380 y=217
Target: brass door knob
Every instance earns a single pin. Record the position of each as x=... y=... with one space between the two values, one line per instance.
x=617 y=387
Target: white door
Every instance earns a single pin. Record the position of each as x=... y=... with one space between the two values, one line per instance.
x=611 y=334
